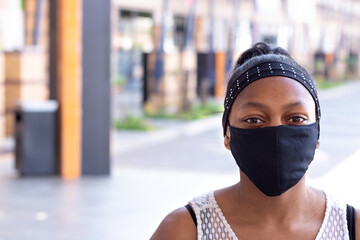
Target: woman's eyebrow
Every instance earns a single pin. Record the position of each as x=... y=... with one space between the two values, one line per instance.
x=263 y=106
x=253 y=105
x=294 y=104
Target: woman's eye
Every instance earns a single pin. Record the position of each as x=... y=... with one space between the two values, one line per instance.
x=297 y=119
x=253 y=120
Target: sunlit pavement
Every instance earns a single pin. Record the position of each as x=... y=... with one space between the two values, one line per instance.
x=128 y=205
x=155 y=178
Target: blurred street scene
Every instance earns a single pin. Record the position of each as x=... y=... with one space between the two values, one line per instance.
x=110 y=111
x=158 y=175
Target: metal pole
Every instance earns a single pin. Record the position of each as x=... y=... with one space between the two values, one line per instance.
x=159 y=62
x=53 y=49
x=211 y=25
x=233 y=40
x=37 y=21
x=211 y=54
x=189 y=41
x=236 y=15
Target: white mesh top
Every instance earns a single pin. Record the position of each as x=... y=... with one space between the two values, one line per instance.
x=211 y=223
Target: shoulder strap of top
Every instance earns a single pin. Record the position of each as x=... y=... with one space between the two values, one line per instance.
x=192 y=213
x=350 y=216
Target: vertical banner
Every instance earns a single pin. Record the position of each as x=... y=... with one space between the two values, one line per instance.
x=69 y=86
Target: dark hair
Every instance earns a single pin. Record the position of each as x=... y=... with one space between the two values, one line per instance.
x=259 y=53
x=259 y=49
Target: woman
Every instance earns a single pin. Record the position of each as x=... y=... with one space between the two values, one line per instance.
x=271 y=126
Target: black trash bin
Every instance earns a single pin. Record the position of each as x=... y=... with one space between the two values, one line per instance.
x=36 y=138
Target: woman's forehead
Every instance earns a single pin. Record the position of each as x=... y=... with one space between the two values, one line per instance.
x=275 y=90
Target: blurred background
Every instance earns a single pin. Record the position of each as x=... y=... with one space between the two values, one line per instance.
x=110 y=111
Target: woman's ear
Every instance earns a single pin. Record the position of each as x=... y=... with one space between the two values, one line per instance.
x=318 y=144
x=227 y=139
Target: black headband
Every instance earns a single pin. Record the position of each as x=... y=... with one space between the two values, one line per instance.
x=263 y=70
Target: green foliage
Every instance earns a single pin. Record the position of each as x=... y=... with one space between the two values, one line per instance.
x=140 y=123
x=351 y=61
x=202 y=111
x=119 y=80
x=199 y=111
x=323 y=83
x=161 y=114
x=133 y=123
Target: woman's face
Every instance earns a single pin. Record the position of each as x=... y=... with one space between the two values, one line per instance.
x=271 y=101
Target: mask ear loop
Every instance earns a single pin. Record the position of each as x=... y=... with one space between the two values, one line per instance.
x=227 y=130
x=318 y=115
x=318 y=121
x=227 y=125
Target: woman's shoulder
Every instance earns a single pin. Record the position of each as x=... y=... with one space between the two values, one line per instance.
x=176 y=225
x=340 y=207
x=179 y=224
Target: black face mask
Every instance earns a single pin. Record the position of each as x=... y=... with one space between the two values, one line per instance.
x=274 y=158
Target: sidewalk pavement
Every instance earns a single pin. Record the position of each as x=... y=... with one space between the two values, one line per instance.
x=342 y=181
x=129 y=205
x=127 y=140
